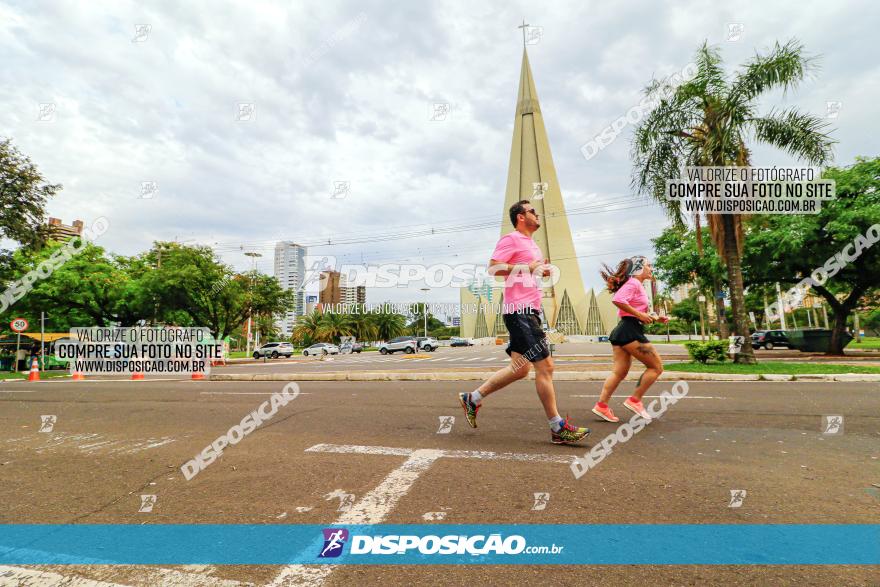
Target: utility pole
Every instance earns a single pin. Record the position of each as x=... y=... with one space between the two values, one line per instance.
x=856 y=327
x=43 y=334
x=253 y=255
x=426 y=290
x=702 y=300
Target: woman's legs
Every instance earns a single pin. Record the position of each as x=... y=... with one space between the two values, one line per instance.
x=645 y=352
x=622 y=362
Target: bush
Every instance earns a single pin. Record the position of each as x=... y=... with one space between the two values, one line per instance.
x=711 y=350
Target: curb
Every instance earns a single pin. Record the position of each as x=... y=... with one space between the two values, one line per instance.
x=558 y=376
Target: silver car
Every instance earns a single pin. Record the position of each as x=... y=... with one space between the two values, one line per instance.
x=274 y=350
x=321 y=348
x=406 y=344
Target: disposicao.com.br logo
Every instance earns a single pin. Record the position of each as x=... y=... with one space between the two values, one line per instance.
x=453 y=544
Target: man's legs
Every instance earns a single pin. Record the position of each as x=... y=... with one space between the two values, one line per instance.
x=470 y=402
x=544 y=386
x=518 y=369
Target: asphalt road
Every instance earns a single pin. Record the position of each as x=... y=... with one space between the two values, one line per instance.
x=113 y=441
x=480 y=357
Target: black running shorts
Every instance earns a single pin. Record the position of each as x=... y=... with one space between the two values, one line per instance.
x=629 y=329
x=527 y=335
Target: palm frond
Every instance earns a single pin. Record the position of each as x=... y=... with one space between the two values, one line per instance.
x=798 y=133
x=784 y=66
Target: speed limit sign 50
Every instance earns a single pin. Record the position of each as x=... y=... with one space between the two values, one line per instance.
x=19 y=324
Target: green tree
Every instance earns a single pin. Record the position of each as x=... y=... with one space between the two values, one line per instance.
x=705 y=121
x=334 y=325
x=89 y=288
x=789 y=248
x=23 y=196
x=189 y=284
x=416 y=326
x=363 y=326
x=388 y=324
x=686 y=310
x=305 y=332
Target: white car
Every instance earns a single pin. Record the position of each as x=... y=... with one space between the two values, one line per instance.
x=321 y=348
x=406 y=344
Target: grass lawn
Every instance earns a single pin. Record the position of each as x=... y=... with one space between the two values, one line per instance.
x=772 y=367
x=43 y=375
x=868 y=342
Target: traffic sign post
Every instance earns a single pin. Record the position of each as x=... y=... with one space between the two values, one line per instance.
x=19 y=325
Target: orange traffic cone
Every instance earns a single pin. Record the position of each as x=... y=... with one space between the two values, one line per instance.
x=137 y=375
x=197 y=376
x=34 y=375
x=78 y=376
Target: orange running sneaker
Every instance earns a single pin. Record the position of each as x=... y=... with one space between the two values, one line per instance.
x=605 y=413
x=638 y=408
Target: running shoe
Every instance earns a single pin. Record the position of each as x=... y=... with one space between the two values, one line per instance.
x=568 y=434
x=470 y=408
x=638 y=408
x=605 y=413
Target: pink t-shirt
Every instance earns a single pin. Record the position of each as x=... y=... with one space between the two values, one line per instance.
x=631 y=293
x=521 y=289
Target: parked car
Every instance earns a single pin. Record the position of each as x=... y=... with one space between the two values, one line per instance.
x=769 y=339
x=274 y=350
x=406 y=344
x=461 y=342
x=428 y=344
x=321 y=348
x=351 y=347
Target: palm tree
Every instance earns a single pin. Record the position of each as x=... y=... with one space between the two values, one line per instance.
x=705 y=122
x=388 y=324
x=363 y=327
x=334 y=325
x=307 y=327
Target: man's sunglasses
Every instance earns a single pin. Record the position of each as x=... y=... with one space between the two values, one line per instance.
x=533 y=212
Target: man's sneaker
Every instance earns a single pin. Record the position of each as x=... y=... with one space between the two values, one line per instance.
x=638 y=408
x=605 y=413
x=568 y=434
x=470 y=408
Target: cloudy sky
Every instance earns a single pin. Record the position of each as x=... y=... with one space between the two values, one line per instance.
x=344 y=92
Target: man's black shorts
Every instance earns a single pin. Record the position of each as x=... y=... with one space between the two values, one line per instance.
x=628 y=330
x=527 y=336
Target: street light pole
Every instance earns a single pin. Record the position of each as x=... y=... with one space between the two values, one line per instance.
x=426 y=290
x=253 y=255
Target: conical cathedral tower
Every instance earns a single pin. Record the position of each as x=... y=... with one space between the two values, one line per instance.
x=531 y=176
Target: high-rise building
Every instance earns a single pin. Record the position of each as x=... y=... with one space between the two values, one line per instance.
x=335 y=290
x=329 y=287
x=290 y=269
x=63 y=232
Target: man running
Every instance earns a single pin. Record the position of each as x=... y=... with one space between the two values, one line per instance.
x=518 y=259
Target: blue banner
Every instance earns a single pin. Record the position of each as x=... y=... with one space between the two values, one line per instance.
x=603 y=544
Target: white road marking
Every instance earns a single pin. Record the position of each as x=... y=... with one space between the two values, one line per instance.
x=375 y=506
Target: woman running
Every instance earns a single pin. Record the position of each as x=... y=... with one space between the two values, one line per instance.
x=628 y=337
